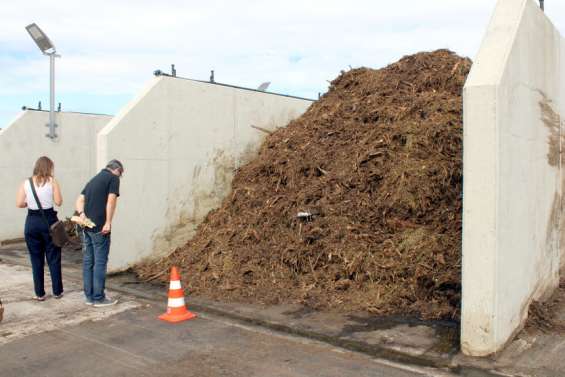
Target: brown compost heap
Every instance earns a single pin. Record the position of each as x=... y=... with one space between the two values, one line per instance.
x=356 y=205
x=544 y=316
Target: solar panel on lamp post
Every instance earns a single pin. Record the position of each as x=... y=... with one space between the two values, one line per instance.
x=47 y=48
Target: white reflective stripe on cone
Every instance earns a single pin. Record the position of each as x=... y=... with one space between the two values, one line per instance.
x=174 y=284
x=176 y=302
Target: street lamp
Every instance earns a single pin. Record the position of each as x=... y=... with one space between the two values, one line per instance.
x=47 y=48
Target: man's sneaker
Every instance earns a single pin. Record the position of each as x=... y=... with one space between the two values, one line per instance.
x=88 y=302
x=106 y=302
x=58 y=297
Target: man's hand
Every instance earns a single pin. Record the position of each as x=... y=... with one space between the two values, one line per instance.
x=107 y=228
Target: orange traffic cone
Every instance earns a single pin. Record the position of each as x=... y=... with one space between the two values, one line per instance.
x=176 y=308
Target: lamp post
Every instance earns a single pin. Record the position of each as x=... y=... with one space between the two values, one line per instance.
x=47 y=48
x=541 y=4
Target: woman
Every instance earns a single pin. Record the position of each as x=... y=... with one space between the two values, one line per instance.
x=37 y=236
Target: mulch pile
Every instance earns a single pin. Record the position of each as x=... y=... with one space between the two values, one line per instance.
x=356 y=205
x=544 y=316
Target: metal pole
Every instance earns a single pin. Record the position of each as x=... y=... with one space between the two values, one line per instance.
x=52 y=125
x=541 y=5
x=52 y=134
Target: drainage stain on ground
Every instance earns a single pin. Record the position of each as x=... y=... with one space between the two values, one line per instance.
x=446 y=332
x=300 y=313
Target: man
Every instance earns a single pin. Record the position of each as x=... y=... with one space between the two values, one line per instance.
x=97 y=202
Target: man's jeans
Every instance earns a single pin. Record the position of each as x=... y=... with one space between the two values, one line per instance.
x=96 y=247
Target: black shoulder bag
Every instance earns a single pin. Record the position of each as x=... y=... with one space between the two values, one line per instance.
x=57 y=230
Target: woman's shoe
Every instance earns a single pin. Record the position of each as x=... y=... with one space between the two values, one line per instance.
x=42 y=298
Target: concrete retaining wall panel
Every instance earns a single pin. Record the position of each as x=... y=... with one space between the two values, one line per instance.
x=562 y=125
x=74 y=155
x=479 y=220
x=512 y=170
x=189 y=138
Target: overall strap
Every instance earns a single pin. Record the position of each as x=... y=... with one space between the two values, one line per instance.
x=38 y=201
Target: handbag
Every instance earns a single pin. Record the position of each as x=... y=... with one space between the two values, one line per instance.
x=57 y=230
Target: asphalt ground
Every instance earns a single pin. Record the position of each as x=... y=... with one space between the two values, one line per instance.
x=68 y=338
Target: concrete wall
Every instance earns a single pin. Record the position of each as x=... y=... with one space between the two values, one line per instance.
x=558 y=112
x=24 y=140
x=180 y=141
x=512 y=174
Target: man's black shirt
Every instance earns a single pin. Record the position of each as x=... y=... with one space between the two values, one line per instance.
x=96 y=194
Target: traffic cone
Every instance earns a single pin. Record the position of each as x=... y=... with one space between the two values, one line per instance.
x=176 y=308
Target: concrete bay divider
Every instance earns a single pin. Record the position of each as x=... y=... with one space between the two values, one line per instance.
x=180 y=141
x=73 y=152
x=513 y=132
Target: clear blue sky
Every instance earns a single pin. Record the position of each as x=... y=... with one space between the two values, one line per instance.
x=111 y=48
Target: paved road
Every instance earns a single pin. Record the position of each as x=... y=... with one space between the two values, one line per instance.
x=135 y=343
x=66 y=338
x=24 y=317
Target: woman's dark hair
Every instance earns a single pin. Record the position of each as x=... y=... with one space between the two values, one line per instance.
x=43 y=170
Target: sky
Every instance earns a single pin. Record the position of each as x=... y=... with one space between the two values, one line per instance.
x=110 y=49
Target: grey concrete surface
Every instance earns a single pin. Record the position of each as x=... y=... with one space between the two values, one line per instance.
x=399 y=339
x=135 y=343
x=24 y=316
x=234 y=339
x=67 y=338
x=532 y=353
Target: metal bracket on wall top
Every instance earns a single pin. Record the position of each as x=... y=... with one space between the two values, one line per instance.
x=52 y=134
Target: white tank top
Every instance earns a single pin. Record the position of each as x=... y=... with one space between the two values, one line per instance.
x=44 y=193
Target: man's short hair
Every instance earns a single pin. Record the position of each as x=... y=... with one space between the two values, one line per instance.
x=115 y=164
